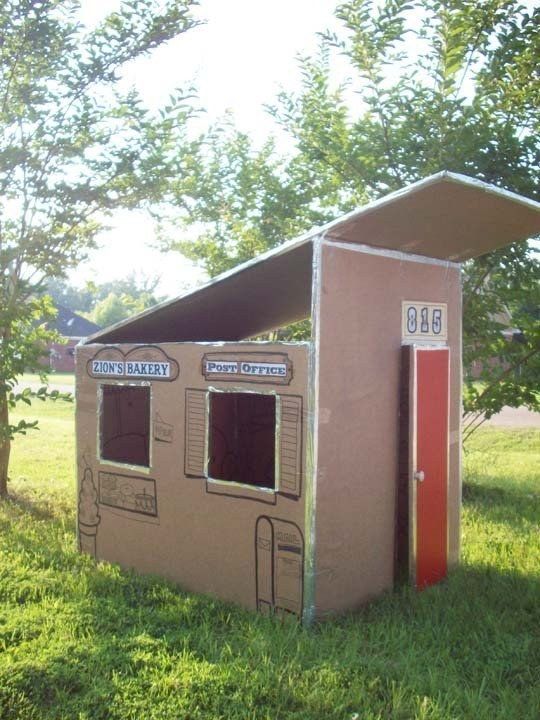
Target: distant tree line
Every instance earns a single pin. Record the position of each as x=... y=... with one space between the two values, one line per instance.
x=106 y=303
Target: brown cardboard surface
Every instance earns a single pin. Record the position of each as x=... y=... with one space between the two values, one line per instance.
x=160 y=519
x=249 y=544
x=358 y=418
x=246 y=303
x=445 y=216
x=449 y=217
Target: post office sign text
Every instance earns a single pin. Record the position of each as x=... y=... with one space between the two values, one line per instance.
x=250 y=367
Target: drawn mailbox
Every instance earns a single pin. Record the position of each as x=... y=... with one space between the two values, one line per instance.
x=296 y=478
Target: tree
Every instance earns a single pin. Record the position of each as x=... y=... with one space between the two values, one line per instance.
x=135 y=292
x=134 y=285
x=247 y=200
x=109 y=311
x=116 y=307
x=72 y=149
x=434 y=85
x=63 y=293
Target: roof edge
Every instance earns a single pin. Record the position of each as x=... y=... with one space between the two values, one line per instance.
x=326 y=230
x=443 y=175
x=273 y=252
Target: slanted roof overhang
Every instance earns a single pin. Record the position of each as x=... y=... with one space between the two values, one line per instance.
x=446 y=216
x=255 y=297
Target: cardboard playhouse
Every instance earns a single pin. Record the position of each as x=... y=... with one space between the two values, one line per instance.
x=297 y=478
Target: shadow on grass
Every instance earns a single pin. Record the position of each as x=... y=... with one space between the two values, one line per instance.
x=38 y=509
x=496 y=495
x=140 y=647
x=112 y=644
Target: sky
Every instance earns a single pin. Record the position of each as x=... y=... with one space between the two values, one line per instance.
x=238 y=60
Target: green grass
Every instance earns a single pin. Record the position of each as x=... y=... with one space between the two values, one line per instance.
x=60 y=378
x=80 y=640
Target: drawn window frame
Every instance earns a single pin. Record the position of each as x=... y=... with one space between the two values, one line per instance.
x=100 y=410
x=277 y=439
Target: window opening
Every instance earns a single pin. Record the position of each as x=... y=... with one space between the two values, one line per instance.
x=125 y=424
x=242 y=438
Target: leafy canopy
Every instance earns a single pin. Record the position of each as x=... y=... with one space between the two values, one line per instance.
x=108 y=302
x=450 y=85
x=72 y=148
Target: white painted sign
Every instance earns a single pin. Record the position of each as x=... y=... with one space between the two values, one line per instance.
x=108 y=367
x=255 y=367
x=224 y=367
x=261 y=368
x=148 y=369
x=423 y=321
x=117 y=368
x=146 y=362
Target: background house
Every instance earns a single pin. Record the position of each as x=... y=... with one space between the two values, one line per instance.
x=61 y=356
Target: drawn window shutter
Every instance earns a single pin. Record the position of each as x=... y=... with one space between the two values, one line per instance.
x=195 y=433
x=291 y=445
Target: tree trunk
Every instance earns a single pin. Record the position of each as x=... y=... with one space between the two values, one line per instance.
x=5 y=444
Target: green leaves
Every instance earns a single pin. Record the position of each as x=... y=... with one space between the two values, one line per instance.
x=243 y=200
x=9 y=431
x=433 y=85
x=72 y=148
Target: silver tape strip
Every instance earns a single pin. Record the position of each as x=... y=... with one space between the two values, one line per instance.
x=310 y=493
x=413 y=432
x=206 y=449
x=277 y=442
x=457 y=530
x=394 y=254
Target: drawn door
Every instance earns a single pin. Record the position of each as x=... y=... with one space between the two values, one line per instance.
x=279 y=558
x=428 y=466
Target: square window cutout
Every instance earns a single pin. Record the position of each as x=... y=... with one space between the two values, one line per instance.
x=125 y=424
x=242 y=438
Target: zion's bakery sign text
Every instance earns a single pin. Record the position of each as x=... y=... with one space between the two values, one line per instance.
x=131 y=369
x=143 y=363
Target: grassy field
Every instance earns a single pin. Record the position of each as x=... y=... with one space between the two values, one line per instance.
x=53 y=378
x=80 y=640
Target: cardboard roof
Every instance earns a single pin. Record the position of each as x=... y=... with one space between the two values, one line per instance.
x=268 y=292
x=445 y=216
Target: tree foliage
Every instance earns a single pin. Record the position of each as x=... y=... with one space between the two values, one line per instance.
x=64 y=293
x=434 y=85
x=243 y=200
x=117 y=306
x=108 y=302
x=72 y=148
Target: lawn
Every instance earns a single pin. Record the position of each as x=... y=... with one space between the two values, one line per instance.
x=80 y=640
x=53 y=378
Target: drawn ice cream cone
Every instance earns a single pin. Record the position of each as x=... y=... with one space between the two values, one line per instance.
x=89 y=517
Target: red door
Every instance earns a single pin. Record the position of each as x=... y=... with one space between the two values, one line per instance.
x=429 y=465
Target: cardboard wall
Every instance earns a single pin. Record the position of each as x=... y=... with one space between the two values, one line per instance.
x=360 y=337
x=241 y=543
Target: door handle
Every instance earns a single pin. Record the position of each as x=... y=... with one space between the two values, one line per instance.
x=419 y=476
